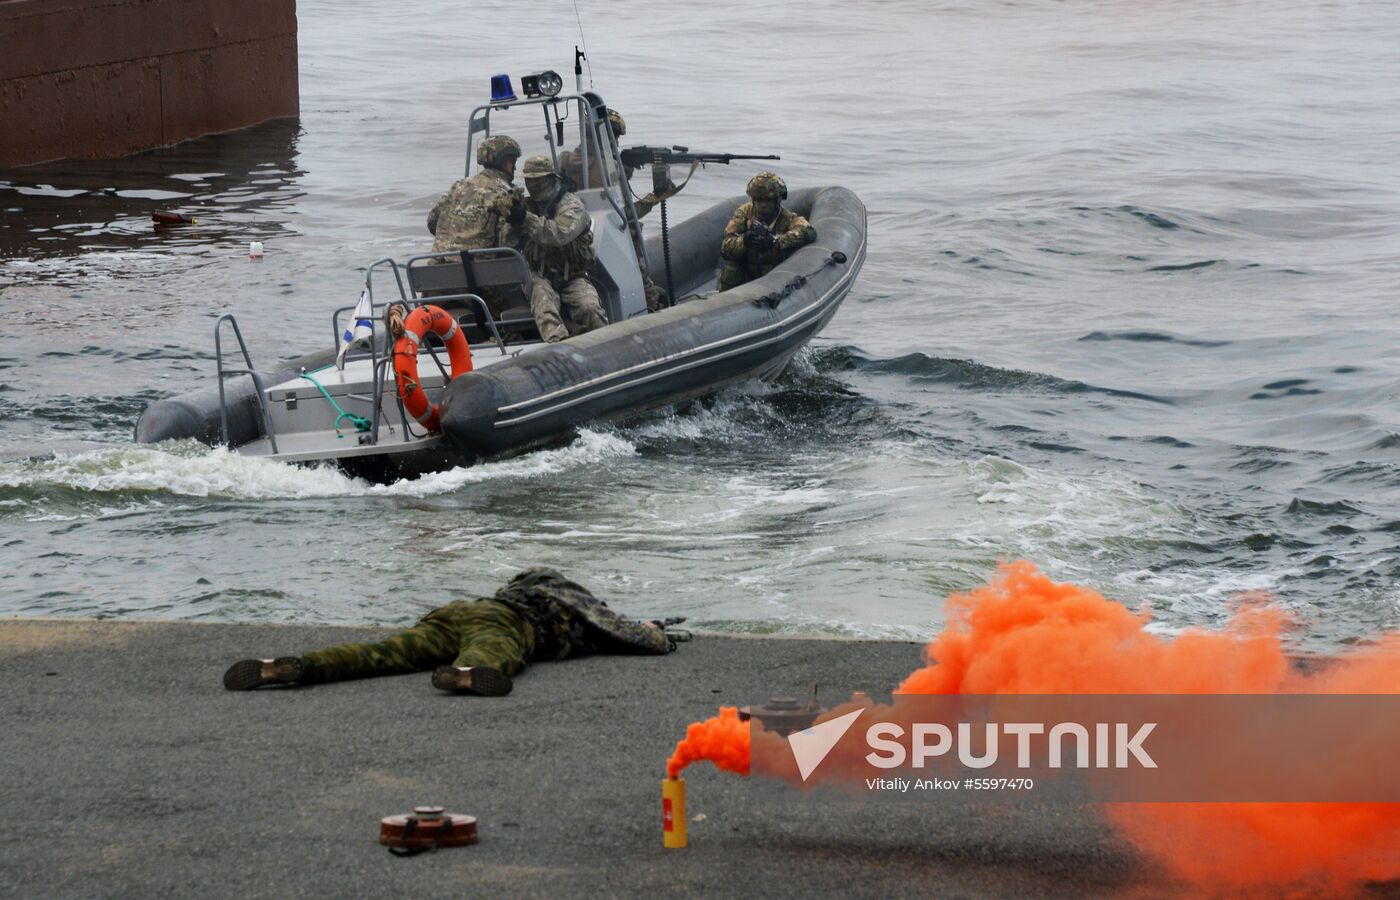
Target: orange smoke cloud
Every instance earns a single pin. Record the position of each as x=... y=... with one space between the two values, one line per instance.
x=732 y=745
x=723 y=740
x=1025 y=634
x=1318 y=847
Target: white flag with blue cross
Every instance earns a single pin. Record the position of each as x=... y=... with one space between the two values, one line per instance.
x=359 y=331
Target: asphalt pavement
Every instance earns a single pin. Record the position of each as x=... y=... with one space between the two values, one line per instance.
x=128 y=771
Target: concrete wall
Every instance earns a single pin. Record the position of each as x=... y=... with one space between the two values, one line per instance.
x=103 y=78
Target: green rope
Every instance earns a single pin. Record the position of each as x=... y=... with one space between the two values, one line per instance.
x=360 y=422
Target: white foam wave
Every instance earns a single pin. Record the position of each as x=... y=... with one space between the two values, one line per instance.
x=1193 y=595
x=751 y=493
x=193 y=470
x=704 y=422
x=187 y=470
x=591 y=448
x=1068 y=508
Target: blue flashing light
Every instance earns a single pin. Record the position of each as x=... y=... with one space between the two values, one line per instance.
x=501 y=91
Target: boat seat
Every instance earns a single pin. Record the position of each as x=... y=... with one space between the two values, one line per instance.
x=452 y=280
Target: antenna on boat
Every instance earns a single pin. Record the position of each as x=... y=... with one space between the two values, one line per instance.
x=581 y=55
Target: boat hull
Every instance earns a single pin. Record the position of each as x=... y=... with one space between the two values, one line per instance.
x=690 y=350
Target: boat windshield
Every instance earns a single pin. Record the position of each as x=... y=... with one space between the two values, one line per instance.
x=574 y=132
x=571 y=130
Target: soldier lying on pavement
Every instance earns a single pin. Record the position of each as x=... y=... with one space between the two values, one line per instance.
x=475 y=646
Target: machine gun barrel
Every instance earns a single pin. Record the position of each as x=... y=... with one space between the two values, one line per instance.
x=636 y=157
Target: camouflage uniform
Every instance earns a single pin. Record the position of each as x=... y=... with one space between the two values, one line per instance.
x=571 y=161
x=558 y=244
x=743 y=263
x=571 y=164
x=472 y=214
x=569 y=620
x=462 y=633
x=539 y=615
x=571 y=168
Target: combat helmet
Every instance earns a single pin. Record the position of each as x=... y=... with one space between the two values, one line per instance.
x=619 y=124
x=538 y=167
x=766 y=184
x=495 y=150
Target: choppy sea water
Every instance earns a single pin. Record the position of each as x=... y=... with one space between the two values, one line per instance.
x=1128 y=312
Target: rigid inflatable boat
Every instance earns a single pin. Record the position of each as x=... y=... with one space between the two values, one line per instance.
x=505 y=390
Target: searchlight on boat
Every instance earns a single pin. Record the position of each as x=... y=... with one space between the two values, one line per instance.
x=547 y=83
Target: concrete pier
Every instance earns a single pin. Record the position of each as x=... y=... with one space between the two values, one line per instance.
x=104 y=78
x=130 y=772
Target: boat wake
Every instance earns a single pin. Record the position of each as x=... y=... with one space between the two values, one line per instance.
x=587 y=450
x=802 y=410
x=65 y=483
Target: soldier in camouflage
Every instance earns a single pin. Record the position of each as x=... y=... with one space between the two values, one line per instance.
x=474 y=646
x=558 y=244
x=571 y=161
x=476 y=212
x=761 y=233
x=571 y=169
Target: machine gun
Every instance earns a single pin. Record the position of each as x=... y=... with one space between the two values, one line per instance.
x=636 y=157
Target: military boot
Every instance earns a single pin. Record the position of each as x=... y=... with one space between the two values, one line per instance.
x=247 y=674
x=483 y=681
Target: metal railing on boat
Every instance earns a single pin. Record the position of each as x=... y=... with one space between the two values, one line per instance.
x=379 y=364
x=249 y=371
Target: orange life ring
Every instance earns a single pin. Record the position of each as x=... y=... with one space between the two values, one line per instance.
x=421 y=322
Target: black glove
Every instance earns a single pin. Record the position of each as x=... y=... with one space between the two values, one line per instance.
x=757 y=237
x=517 y=209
